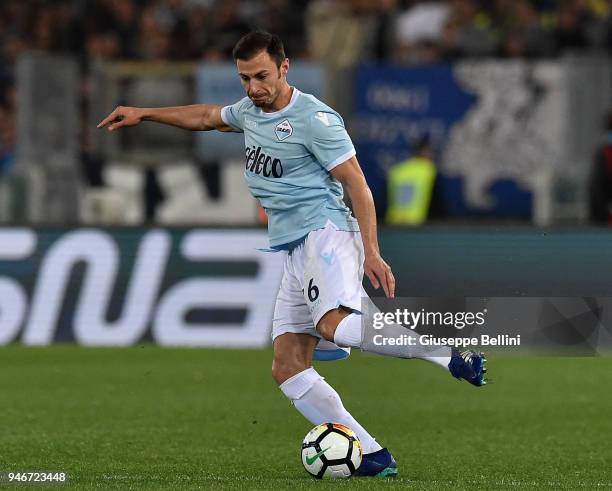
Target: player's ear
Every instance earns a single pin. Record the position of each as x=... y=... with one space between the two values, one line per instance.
x=284 y=68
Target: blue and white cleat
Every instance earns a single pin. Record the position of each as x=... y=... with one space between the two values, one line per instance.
x=328 y=351
x=377 y=464
x=470 y=366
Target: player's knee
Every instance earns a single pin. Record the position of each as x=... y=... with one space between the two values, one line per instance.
x=283 y=370
x=329 y=322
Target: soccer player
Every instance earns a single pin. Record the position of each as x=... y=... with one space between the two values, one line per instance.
x=298 y=156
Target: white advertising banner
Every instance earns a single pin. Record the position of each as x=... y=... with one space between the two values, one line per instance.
x=121 y=287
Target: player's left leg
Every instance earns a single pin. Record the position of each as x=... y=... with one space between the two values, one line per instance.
x=332 y=281
x=343 y=327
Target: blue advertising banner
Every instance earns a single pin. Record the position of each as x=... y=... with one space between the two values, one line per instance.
x=218 y=83
x=396 y=107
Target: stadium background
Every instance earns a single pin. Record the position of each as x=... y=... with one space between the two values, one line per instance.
x=148 y=237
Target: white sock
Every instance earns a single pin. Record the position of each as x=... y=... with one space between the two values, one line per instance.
x=320 y=403
x=348 y=334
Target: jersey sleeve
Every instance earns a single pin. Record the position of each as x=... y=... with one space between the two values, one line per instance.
x=329 y=142
x=233 y=115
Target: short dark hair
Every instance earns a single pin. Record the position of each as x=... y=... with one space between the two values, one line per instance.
x=254 y=42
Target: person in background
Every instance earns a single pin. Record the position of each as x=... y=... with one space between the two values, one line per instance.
x=600 y=185
x=410 y=187
x=8 y=129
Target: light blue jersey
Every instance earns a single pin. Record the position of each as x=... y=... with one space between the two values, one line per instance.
x=289 y=156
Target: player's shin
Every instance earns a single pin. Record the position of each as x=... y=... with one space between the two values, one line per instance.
x=349 y=334
x=320 y=403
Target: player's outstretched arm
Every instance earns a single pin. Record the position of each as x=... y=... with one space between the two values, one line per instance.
x=349 y=173
x=197 y=117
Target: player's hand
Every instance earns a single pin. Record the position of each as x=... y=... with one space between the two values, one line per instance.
x=379 y=273
x=122 y=116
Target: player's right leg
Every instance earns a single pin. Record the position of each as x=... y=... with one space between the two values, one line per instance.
x=308 y=391
x=294 y=341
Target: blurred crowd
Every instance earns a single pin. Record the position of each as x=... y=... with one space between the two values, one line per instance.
x=338 y=32
x=432 y=31
x=385 y=30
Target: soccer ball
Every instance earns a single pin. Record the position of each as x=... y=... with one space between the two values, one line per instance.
x=331 y=450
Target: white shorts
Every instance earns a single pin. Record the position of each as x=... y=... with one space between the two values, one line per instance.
x=319 y=275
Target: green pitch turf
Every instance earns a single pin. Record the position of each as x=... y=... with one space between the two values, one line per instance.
x=152 y=418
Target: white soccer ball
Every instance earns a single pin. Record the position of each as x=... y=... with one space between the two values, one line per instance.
x=331 y=450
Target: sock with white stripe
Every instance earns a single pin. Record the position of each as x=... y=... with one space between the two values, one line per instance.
x=348 y=334
x=320 y=403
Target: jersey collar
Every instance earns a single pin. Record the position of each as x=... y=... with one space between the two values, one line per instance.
x=294 y=97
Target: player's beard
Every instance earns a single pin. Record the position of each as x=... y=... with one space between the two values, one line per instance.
x=268 y=100
x=262 y=103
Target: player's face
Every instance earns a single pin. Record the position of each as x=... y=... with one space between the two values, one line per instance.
x=262 y=79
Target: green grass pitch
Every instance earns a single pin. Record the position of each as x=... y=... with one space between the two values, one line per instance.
x=153 y=418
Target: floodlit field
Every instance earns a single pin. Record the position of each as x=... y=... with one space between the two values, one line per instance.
x=150 y=418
